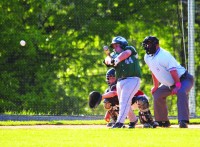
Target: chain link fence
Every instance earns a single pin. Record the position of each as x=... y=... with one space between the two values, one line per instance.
x=61 y=62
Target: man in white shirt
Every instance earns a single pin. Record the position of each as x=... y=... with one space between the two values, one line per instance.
x=173 y=79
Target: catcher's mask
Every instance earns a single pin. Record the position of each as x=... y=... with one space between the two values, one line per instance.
x=149 y=44
x=110 y=73
x=94 y=99
x=143 y=103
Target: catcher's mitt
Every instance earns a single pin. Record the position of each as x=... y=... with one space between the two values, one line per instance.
x=94 y=99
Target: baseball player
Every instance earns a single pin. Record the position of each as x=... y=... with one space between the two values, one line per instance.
x=174 y=79
x=111 y=104
x=110 y=98
x=128 y=73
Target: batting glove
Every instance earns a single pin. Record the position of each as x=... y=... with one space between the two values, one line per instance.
x=108 y=60
x=116 y=61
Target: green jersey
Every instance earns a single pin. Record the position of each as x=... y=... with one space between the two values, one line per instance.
x=129 y=67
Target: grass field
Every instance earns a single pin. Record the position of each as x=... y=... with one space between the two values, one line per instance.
x=71 y=137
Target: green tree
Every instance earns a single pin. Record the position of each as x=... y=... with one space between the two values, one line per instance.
x=62 y=60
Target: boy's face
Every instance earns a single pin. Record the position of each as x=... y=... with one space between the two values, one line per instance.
x=117 y=48
x=111 y=80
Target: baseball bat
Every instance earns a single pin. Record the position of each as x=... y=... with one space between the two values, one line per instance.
x=106 y=50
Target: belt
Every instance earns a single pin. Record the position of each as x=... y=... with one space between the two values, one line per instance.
x=184 y=75
x=120 y=79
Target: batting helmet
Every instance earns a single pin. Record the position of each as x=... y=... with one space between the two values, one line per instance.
x=149 y=44
x=119 y=40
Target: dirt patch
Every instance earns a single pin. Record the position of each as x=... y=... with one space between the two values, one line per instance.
x=78 y=126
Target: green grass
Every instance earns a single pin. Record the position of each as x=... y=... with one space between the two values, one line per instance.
x=104 y=137
x=95 y=137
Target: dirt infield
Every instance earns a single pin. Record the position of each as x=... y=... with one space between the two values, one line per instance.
x=56 y=118
x=77 y=126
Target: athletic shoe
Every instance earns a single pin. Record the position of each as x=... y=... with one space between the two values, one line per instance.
x=111 y=123
x=147 y=125
x=118 y=125
x=132 y=124
x=153 y=124
x=183 y=124
x=165 y=124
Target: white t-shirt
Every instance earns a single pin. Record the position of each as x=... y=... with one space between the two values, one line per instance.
x=161 y=63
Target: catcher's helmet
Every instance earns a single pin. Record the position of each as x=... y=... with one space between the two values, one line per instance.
x=94 y=99
x=149 y=44
x=119 y=40
x=110 y=73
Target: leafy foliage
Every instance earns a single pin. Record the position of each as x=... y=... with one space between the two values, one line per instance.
x=62 y=60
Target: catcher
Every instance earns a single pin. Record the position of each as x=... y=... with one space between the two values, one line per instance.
x=111 y=103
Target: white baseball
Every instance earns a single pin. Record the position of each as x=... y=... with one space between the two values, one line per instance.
x=22 y=43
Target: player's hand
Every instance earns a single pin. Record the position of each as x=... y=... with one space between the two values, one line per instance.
x=108 y=60
x=115 y=61
x=175 y=90
x=153 y=89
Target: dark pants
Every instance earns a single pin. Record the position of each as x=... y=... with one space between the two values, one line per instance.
x=160 y=95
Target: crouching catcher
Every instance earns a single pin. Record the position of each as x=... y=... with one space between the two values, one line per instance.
x=139 y=101
x=111 y=103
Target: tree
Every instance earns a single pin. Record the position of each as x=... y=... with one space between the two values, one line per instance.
x=62 y=60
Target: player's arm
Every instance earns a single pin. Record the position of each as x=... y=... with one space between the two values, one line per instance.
x=129 y=50
x=109 y=94
x=155 y=83
x=177 y=82
x=124 y=55
x=155 y=80
x=174 y=75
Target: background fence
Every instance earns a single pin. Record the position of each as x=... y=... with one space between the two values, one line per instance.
x=62 y=59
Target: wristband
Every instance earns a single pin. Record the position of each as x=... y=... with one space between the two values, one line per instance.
x=178 y=84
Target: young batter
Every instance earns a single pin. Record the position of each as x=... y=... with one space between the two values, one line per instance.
x=128 y=72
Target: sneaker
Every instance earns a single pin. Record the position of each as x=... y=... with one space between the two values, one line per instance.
x=165 y=124
x=147 y=125
x=155 y=124
x=110 y=124
x=132 y=124
x=183 y=124
x=152 y=124
x=118 y=125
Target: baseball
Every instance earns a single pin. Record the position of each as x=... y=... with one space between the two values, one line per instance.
x=22 y=43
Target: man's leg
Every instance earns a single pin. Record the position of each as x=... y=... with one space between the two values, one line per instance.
x=126 y=89
x=182 y=98
x=160 y=105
